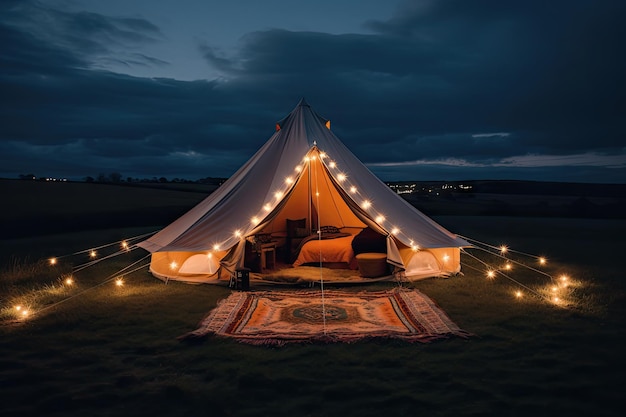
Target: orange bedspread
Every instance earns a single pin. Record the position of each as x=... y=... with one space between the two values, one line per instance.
x=330 y=250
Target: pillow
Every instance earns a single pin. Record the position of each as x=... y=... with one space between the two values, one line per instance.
x=329 y=230
x=292 y=225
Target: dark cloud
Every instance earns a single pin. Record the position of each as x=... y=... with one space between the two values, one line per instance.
x=443 y=88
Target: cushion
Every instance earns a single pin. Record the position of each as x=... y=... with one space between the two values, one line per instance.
x=329 y=230
x=368 y=240
x=293 y=225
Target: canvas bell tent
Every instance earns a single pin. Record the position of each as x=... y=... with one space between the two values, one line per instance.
x=303 y=181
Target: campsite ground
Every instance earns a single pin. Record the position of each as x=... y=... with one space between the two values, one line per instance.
x=113 y=350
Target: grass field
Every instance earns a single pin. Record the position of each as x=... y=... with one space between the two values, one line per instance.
x=113 y=350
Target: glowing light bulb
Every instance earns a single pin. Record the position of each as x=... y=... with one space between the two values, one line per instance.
x=92 y=254
x=267 y=207
x=69 y=281
x=173 y=265
x=353 y=190
x=542 y=260
x=209 y=255
x=18 y=307
x=491 y=274
x=25 y=313
x=255 y=220
x=124 y=245
x=289 y=180
x=503 y=249
x=366 y=204
x=322 y=155
x=518 y=294
x=278 y=195
x=332 y=164
x=53 y=261
x=554 y=289
x=341 y=177
x=119 y=282
x=216 y=247
x=237 y=233
x=380 y=219
x=508 y=266
x=564 y=278
x=307 y=159
x=395 y=231
x=298 y=168
x=446 y=258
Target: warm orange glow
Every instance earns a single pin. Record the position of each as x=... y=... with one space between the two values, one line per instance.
x=518 y=294
x=124 y=245
x=298 y=168
x=18 y=307
x=173 y=265
x=237 y=233
x=119 y=282
x=69 y=281
x=53 y=261
x=542 y=260
x=508 y=266
x=328 y=125
x=322 y=155
x=216 y=247
x=446 y=258
x=289 y=180
x=491 y=274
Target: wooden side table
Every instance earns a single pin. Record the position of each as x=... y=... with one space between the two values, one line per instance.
x=268 y=255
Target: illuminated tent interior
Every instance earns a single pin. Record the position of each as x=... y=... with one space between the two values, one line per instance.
x=302 y=182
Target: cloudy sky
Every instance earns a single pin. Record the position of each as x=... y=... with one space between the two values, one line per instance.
x=418 y=89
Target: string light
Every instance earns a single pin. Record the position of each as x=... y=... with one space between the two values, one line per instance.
x=542 y=260
x=124 y=245
x=52 y=261
x=366 y=204
x=93 y=253
x=518 y=294
x=173 y=265
x=353 y=189
x=69 y=281
x=491 y=274
x=119 y=282
x=380 y=219
x=503 y=249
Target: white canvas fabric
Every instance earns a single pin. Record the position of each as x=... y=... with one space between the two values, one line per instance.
x=302 y=157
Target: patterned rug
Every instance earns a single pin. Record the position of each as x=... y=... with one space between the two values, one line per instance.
x=279 y=317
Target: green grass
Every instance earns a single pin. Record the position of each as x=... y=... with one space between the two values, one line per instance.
x=114 y=350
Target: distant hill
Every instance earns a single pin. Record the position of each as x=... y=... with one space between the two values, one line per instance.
x=41 y=207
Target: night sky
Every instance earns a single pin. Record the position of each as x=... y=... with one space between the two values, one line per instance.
x=419 y=90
